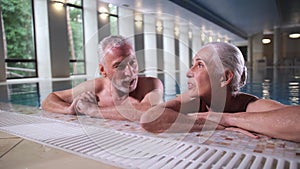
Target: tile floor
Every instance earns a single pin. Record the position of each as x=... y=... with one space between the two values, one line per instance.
x=18 y=153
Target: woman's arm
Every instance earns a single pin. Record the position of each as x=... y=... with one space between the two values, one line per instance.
x=172 y=116
x=263 y=116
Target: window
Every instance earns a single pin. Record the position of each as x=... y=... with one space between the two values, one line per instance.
x=75 y=35
x=18 y=25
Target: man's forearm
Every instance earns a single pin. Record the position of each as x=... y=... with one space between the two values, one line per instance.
x=130 y=112
x=53 y=104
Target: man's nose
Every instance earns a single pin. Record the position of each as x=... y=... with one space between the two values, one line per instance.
x=129 y=70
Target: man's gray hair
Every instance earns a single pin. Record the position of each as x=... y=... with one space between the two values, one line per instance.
x=232 y=59
x=110 y=41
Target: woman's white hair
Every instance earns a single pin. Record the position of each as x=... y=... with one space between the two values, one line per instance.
x=110 y=41
x=231 y=59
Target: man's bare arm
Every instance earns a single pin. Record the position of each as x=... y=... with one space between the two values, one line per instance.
x=54 y=103
x=63 y=101
x=130 y=109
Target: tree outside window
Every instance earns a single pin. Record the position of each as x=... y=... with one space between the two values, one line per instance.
x=18 y=38
x=75 y=35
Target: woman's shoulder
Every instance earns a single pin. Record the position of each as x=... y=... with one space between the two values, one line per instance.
x=246 y=96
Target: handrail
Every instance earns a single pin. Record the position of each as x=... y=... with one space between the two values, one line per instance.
x=21 y=69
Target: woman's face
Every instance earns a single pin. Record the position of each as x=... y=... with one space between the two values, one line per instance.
x=199 y=84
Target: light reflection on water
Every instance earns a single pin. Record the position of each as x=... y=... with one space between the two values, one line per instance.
x=280 y=84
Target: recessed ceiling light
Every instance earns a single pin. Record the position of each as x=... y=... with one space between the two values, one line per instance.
x=294 y=35
x=266 y=41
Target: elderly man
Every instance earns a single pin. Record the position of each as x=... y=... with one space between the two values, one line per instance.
x=120 y=94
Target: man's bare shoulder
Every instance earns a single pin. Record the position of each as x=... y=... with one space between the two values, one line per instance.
x=101 y=83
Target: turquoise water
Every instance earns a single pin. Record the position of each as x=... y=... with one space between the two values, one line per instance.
x=282 y=84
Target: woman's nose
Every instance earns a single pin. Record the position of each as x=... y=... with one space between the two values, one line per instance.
x=189 y=73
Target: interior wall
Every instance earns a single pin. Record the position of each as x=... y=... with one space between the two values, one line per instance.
x=289 y=51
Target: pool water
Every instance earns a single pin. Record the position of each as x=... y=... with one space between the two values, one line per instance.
x=281 y=84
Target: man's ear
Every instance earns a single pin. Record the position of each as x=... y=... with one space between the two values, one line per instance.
x=102 y=70
x=229 y=76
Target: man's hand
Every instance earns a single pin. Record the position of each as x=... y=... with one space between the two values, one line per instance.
x=85 y=97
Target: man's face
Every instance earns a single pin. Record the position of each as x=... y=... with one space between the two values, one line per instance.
x=121 y=67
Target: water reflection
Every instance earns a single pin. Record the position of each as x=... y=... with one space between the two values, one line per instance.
x=32 y=94
x=281 y=84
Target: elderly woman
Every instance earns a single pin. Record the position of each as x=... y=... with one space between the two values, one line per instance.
x=213 y=101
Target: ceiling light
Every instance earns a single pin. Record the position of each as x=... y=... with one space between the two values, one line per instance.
x=266 y=41
x=294 y=35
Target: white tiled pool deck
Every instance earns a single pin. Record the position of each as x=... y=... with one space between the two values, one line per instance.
x=221 y=146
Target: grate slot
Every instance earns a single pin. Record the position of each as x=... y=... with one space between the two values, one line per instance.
x=209 y=162
x=257 y=163
x=247 y=160
x=198 y=162
x=221 y=162
x=269 y=163
x=234 y=160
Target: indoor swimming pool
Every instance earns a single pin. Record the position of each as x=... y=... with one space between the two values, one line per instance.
x=125 y=144
x=281 y=84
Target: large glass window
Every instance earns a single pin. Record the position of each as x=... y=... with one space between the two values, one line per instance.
x=18 y=25
x=75 y=35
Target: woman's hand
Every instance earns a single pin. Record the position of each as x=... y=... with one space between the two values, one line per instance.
x=220 y=119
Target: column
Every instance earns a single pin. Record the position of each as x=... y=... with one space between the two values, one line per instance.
x=103 y=21
x=91 y=38
x=139 y=40
x=276 y=49
x=126 y=23
x=58 y=40
x=150 y=46
x=196 y=40
x=169 y=58
x=250 y=51
x=2 y=51
x=183 y=56
x=42 y=39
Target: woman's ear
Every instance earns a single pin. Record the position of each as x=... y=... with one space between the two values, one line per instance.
x=229 y=76
x=102 y=70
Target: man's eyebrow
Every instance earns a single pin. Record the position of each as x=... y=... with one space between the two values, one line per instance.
x=116 y=64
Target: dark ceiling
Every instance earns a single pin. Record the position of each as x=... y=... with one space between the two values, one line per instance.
x=248 y=17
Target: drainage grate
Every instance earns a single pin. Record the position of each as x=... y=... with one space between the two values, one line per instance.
x=129 y=150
